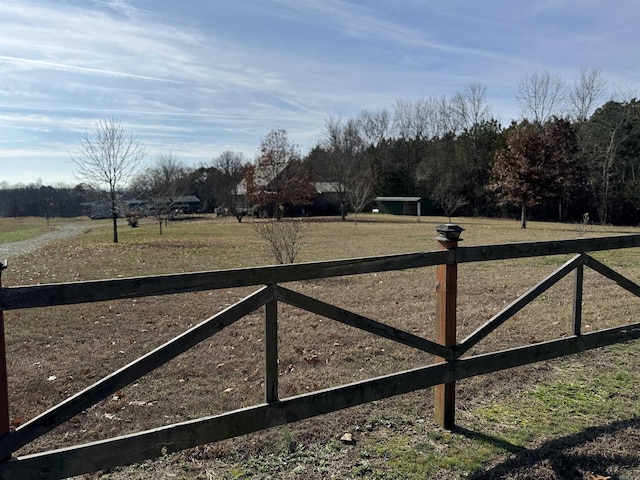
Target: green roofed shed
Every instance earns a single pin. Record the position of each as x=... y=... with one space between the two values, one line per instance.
x=399 y=205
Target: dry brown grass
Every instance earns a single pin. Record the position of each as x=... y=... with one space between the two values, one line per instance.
x=79 y=344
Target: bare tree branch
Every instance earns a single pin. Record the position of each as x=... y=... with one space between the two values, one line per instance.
x=542 y=95
x=586 y=93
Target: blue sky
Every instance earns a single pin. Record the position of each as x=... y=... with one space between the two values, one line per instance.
x=197 y=77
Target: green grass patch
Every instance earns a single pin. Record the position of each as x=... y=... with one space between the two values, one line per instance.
x=593 y=391
x=401 y=456
x=22 y=234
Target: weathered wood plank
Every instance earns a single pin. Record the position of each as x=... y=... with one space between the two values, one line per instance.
x=358 y=321
x=515 y=357
x=444 y=398
x=130 y=373
x=4 y=382
x=578 y=283
x=518 y=304
x=153 y=443
x=99 y=290
x=271 y=351
x=534 y=249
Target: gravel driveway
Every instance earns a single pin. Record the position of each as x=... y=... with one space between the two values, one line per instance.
x=9 y=250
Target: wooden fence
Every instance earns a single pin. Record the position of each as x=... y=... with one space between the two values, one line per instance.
x=450 y=364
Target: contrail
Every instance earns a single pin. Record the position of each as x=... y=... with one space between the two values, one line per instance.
x=74 y=68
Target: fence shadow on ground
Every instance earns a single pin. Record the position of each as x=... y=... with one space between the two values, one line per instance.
x=575 y=456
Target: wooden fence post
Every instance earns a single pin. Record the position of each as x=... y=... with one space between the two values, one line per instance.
x=577 y=300
x=271 y=352
x=446 y=295
x=4 y=384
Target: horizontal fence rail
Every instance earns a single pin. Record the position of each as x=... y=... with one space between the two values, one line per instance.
x=449 y=367
x=53 y=294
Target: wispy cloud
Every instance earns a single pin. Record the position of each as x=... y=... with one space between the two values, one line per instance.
x=197 y=78
x=123 y=8
x=40 y=64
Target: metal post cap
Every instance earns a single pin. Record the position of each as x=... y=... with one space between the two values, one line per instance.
x=449 y=232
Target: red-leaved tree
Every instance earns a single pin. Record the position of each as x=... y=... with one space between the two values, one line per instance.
x=534 y=164
x=278 y=178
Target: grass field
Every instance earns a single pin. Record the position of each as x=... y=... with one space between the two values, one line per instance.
x=570 y=418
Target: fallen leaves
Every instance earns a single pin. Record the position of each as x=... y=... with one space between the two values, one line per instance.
x=312 y=359
x=15 y=422
x=141 y=403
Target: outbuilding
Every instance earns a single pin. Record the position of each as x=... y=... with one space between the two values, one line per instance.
x=399 y=205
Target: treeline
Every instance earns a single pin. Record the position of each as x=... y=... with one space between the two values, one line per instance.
x=569 y=158
x=572 y=156
x=37 y=200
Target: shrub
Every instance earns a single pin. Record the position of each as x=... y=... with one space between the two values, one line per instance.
x=284 y=238
x=133 y=219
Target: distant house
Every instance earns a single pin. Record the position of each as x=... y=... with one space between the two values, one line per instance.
x=143 y=207
x=138 y=207
x=186 y=204
x=400 y=205
x=96 y=210
x=183 y=204
x=327 y=199
x=269 y=186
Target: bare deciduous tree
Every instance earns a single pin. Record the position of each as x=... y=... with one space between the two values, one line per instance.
x=343 y=144
x=373 y=127
x=470 y=106
x=360 y=192
x=164 y=183
x=414 y=119
x=348 y=162
x=586 y=93
x=452 y=203
x=415 y=122
x=230 y=167
x=610 y=129
x=109 y=156
x=542 y=95
x=278 y=178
